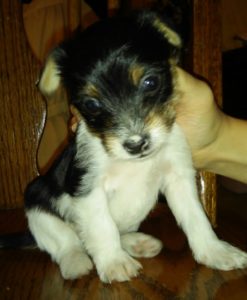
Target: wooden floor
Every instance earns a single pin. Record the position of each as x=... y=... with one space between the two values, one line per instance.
x=173 y=274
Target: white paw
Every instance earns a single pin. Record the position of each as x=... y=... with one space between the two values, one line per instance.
x=120 y=267
x=75 y=264
x=221 y=255
x=138 y=244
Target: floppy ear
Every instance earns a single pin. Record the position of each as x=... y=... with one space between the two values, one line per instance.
x=164 y=26
x=50 y=78
x=172 y=37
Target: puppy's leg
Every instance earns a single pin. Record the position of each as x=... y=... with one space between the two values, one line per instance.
x=101 y=238
x=61 y=242
x=182 y=197
x=207 y=248
x=138 y=244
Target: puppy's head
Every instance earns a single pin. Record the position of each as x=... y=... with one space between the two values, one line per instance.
x=119 y=74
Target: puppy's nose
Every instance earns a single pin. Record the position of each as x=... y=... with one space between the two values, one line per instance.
x=136 y=144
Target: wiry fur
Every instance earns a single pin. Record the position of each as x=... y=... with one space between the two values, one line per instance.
x=87 y=209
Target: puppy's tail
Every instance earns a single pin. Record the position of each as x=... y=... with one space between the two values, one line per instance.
x=17 y=240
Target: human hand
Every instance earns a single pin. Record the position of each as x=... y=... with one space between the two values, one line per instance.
x=199 y=116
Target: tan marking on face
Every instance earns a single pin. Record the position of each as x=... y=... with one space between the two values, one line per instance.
x=171 y=35
x=174 y=98
x=75 y=113
x=169 y=114
x=110 y=142
x=162 y=117
x=166 y=113
x=136 y=72
x=91 y=90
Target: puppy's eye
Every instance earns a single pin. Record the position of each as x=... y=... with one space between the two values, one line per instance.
x=150 y=83
x=93 y=106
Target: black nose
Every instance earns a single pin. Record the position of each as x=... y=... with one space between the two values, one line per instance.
x=135 y=146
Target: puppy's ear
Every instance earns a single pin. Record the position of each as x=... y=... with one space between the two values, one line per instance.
x=50 y=78
x=172 y=37
x=162 y=24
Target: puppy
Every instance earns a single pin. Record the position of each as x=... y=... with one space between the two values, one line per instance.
x=86 y=210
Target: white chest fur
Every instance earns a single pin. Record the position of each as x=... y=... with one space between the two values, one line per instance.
x=132 y=189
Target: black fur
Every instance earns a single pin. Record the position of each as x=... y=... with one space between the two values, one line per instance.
x=65 y=176
x=108 y=44
x=62 y=177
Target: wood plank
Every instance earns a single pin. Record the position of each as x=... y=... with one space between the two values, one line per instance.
x=22 y=109
x=206 y=62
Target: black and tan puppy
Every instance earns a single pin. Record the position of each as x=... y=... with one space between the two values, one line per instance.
x=120 y=76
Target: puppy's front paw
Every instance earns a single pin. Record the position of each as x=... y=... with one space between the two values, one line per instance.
x=75 y=264
x=120 y=267
x=138 y=244
x=221 y=255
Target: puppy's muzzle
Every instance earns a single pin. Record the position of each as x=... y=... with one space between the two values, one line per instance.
x=137 y=144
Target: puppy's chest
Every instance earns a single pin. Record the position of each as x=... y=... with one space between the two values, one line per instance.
x=131 y=189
